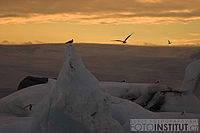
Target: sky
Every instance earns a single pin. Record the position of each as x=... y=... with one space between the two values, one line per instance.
x=152 y=22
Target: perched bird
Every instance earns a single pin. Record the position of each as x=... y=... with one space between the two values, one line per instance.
x=123 y=80
x=169 y=42
x=71 y=41
x=124 y=41
x=28 y=106
x=183 y=113
x=157 y=82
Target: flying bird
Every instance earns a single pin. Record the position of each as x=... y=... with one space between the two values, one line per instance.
x=71 y=41
x=124 y=41
x=169 y=42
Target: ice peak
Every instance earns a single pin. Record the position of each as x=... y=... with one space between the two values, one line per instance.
x=191 y=81
x=76 y=97
x=74 y=68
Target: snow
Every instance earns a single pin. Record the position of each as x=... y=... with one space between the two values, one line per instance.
x=124 y=110
x=15 y=102
x=77 y=102
x=191 y=80
x=181 y=102
x=13 y=124
x=125 y=90
x=75 y=98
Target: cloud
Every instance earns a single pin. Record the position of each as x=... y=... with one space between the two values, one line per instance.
x=195 y=42
x=99 y=11
x=192 y=41
x=194 y=34
x=150 y=44
x=5 y=42
x=39 y=42
x=28 y=43
x=96 y=19
x=150 y=1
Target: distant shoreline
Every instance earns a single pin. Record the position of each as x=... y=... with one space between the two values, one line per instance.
x=135 y=45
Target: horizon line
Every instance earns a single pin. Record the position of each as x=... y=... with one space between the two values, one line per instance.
x=150 y=44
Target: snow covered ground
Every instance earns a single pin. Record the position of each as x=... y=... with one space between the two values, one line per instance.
x=78 y=102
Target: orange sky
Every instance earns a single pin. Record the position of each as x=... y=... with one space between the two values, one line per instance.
x=153 y=22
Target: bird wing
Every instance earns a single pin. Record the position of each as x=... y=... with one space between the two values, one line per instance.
x=118 y=40
x=128 y=37
x=71 y=41
x=169 y=42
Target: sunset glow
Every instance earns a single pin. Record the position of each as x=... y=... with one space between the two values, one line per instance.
x=153 y=22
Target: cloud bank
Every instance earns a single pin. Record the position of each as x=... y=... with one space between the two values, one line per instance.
x=99 y=11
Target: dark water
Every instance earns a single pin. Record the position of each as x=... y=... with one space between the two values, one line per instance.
x=5 y=92
x=138 y=64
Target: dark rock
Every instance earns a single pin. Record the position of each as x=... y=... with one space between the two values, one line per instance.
x=158 y=104
x=30 y=81
x=158 y=100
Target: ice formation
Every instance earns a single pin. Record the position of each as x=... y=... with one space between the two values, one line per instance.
x=78 y=102
x=75 y=103
x=14 y=103
x=191 y=80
